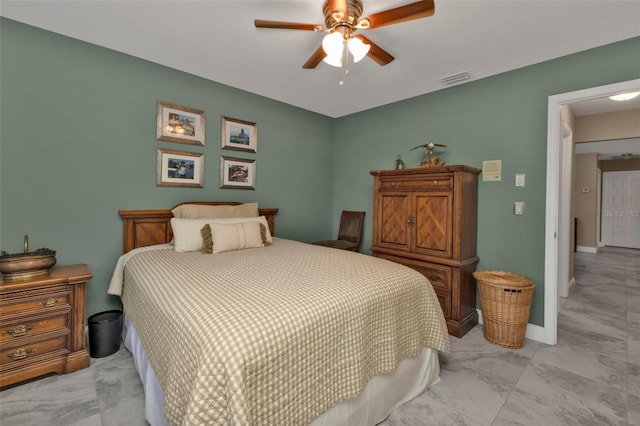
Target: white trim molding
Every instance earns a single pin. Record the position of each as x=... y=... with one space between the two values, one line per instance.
x=586 y=249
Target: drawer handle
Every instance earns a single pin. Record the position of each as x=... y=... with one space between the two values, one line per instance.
x=51 y=302
x=435 y=183
x=393 y=184
x=21 y=353
x=434 y=277
x=20 y=330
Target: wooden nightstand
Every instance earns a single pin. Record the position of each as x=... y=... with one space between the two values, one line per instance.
x=42 y=324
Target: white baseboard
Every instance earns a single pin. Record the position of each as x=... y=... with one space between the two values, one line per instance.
x=534 y=332
x=587 y=249
x=572 y=281
x=601 y=244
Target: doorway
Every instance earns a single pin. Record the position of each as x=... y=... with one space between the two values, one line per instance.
x=556 y=232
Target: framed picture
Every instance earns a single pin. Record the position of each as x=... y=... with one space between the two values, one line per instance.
x=180 y=168
x=180 y=124
x=237 y=173
x=239 y=135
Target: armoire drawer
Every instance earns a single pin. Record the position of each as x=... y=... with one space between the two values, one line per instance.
x=438 y=275
x=418 y=183
x=445 y=303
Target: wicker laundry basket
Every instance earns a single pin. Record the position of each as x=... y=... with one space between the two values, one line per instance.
x=505 y=299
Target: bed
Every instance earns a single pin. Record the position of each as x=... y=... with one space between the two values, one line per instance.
x=284 y=333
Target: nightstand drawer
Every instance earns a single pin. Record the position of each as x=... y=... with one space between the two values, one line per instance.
x=29 y=327
x=31 y=352
x=38 y=300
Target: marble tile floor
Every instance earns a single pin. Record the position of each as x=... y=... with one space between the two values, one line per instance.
x=591 y=377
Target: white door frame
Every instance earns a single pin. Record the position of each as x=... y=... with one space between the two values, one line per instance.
x=555 y=170
x=599 y=208
x=564 y=210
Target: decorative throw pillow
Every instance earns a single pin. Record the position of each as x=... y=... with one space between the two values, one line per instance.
x=262 y=219
x=202 y=211
x=235 y=236
x=207 y=240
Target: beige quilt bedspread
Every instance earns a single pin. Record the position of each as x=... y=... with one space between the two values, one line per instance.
x=275 y=335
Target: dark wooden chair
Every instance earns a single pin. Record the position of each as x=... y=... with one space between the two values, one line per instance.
x=350 y=233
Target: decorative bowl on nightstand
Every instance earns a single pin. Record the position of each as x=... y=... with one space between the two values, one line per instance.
x=27 y=264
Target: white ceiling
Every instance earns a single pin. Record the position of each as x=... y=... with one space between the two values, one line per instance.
x=217 y=40
x=603 y=105
x=610 y=150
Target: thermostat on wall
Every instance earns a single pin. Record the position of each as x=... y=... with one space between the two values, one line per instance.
x=492 y=171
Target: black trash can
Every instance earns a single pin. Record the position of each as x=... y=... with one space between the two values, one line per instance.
x=105 y=330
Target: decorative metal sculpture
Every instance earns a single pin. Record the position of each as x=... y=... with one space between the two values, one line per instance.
x=430 y=159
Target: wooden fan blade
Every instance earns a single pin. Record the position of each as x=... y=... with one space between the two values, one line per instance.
x=377 y=53
x=339 y=6
x=409 y=12
x=259 y=23
x=315 y=59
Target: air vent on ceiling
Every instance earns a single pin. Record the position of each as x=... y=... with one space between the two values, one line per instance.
x=455 y=78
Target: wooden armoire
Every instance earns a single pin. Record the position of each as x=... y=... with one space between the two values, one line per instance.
x=426 y=218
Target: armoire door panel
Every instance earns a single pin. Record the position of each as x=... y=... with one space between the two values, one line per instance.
x=433 y=224
x=393 y=231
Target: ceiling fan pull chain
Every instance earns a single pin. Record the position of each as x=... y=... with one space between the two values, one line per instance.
x=344 y=69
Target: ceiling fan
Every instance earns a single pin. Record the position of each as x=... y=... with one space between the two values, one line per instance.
x=342 y=20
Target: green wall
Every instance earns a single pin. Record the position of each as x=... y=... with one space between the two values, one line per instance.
x=78 y=143
x=503 y=117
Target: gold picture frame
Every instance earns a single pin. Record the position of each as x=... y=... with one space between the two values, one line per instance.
x=177 y=123
x=239 y=135
x=237 y=173
x=180 y=168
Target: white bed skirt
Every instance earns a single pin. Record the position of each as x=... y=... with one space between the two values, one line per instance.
x=379 y=398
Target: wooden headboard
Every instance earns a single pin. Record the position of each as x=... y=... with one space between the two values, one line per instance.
x=148 y=227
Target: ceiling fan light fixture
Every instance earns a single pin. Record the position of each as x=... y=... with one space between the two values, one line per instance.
x=332 y=44
x=358 y=49
x=624 y=96
x=333 y=60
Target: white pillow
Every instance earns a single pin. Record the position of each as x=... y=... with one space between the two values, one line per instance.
x=235 y=236
x=187 y=235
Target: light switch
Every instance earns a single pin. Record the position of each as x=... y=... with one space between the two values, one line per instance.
x=518 y=208
x=519 y=180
